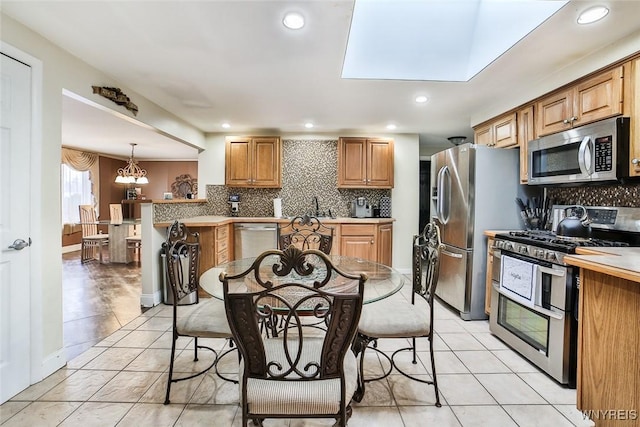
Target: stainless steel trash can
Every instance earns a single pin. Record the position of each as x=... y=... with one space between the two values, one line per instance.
x=167 y=294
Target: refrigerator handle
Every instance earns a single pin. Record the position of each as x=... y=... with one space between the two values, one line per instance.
x=444 y=194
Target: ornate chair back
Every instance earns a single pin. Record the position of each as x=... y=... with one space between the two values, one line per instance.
x=182 y=249
x=308 y=371
x=306 y=232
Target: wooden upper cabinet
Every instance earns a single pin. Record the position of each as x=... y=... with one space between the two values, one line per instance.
x=253 y=162
x=483 y=135
x=525 y=122
x=595 y=98
x=365 y=162
x=500 y=132
x=632 y=109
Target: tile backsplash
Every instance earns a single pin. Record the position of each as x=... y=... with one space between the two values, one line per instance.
x=310 y=169
x=601 y=195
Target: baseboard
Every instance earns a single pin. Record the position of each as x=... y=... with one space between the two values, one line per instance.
x=71 y=248
x=151 y=300
x=53 y=362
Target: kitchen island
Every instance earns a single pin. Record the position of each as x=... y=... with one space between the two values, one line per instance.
x=608 y=378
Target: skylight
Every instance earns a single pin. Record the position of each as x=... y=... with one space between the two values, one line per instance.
x=442 y=40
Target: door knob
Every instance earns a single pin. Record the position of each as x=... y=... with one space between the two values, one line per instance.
x=20 y=244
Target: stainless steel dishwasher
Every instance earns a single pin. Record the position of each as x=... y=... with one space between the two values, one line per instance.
x=251 y=239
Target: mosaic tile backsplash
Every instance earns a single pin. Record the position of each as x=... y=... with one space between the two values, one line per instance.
x=627 y=195
x=310 y=169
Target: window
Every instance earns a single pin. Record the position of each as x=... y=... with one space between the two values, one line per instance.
x=76 y=191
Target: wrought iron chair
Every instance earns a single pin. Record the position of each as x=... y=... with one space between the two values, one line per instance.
x=208 y=319
x=401 y=319
x=306 y=372
x=91 y=239
x=306 y=232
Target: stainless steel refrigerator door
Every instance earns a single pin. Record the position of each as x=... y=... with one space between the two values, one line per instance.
x=455 y=270
x=453 y=172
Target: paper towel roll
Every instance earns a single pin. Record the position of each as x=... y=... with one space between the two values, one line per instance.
x=277 y=208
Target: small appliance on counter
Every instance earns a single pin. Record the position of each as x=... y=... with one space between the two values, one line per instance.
x=360 y=208
x=234 y=201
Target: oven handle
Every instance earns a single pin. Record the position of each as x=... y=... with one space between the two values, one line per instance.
x=551 y=271
x=536 y=308
x=585 y=168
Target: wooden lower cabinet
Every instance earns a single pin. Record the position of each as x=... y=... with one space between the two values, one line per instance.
x=367 y=241
x=608 y=380
x=489 y=276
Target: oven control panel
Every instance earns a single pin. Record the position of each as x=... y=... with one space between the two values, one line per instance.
x=531 y=251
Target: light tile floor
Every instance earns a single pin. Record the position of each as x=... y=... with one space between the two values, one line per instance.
x=121 y=381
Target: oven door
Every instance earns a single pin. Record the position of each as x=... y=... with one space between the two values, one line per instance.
x=541 y=335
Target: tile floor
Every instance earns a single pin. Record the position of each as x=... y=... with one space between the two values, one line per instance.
x=121 y=381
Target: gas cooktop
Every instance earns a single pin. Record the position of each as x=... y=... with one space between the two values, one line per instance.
x=549 y=240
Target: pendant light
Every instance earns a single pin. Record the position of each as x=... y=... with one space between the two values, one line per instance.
x=132 y=173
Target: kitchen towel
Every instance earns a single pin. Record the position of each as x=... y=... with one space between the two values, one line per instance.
x=517 y=279
x=277 y=208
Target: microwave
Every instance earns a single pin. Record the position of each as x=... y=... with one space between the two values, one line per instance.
x=596 y=152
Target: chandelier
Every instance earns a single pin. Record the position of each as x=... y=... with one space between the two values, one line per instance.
x=132 y=173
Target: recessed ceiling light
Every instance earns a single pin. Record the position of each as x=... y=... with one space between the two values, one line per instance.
x=592 y=15
x=226 y=125
x=293 y=21
x=421 y=99
x=391 y=126
x=308 y=125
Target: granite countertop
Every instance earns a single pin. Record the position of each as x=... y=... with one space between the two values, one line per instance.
x=212 y=220
x=614 y=261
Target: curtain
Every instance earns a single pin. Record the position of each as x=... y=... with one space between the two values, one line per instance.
x=74 y=186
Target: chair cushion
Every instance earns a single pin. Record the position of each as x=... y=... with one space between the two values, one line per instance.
x=299 y=397
x=394 y=319
x=207 y=319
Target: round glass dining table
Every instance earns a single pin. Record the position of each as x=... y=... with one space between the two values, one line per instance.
x=382 y=280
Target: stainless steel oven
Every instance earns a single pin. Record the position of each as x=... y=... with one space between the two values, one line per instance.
x=534 y=295
x=589 y=153
x=537 y=320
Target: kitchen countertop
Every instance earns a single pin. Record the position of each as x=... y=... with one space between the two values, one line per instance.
x=212 y=220
x=614 y=261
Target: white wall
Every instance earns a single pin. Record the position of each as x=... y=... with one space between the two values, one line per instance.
x=64 y=71
x=404 y=196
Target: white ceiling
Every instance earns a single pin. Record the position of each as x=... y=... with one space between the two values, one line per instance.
x=210 y=62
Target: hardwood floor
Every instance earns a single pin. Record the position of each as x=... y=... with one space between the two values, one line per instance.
x=98 y=299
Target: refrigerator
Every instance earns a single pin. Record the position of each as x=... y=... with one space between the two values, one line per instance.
x=473 y=189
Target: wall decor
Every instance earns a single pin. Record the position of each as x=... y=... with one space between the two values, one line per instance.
x=115 y=94
x=184 y=187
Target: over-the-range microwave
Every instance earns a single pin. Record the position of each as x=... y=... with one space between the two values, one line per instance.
x=595 y=152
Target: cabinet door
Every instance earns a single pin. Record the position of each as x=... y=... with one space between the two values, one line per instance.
x=483 y=135
x=352 y=168
x=553 y=113
x=632 y=109
x=358 y=247
x=525 y=134
x=505 y=131
x=385 y=244
x=598 y=98
x=488 y=277
x=267 y=159
x=379 y=163
x=238 y=162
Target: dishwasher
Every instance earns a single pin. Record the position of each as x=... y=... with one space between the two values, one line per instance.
x=251 y=239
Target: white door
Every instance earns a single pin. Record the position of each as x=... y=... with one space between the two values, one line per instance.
x=15 y=259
